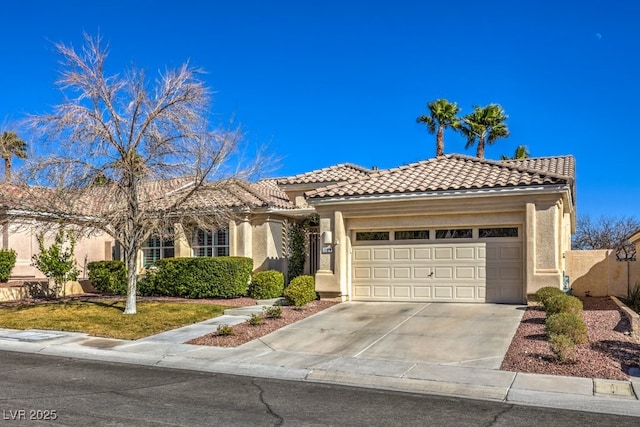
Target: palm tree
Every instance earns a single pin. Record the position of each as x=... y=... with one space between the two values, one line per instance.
x=522 y=152
x=484 y=126
x=442 y=115
x=11 y=145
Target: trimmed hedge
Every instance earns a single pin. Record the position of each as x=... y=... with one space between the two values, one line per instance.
x=108 y=276
x=200 y=277
x=563 y=304
x=543 y=294
x=7 y=262
x=266 y=284
x=301 y=290
x=567 y=324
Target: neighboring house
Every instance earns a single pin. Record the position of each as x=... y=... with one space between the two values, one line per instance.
x=452 y=228
x=635 y=239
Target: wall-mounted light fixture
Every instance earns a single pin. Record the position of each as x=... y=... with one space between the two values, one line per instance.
x=327 y=238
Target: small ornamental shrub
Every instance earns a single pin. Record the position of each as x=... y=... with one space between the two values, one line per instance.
x=633 y=299
x=224 y=330
x=567 y=324
x=273 y=312
x=549 y=291
x=266 y=284
x=255 y=320
x=563 y=304
x=7 y=262
x=301 y=290
x=57 y=262
x=563 y=347
x=108 y=276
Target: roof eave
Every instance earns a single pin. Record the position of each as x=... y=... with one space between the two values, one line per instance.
x=443 y=194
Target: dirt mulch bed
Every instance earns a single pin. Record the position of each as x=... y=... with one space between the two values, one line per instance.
x=609 y=354
x=244 y=332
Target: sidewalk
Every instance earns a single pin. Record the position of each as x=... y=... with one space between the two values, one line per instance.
x=258 y=360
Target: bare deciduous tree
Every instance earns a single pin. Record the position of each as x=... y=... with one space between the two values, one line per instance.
x=129 y=157
x=606 y=233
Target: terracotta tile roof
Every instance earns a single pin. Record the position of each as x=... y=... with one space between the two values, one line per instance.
x=337 y=173
x=233 y=193
x=453 y=172
x=161 y=194
x=560 y=165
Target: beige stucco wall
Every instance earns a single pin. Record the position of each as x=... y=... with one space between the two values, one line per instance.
x=544 y=220
x=599 y=273
x=22 y=237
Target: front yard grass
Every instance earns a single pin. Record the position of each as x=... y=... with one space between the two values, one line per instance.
x=104 y=318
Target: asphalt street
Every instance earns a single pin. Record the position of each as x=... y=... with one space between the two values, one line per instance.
x=47 y=390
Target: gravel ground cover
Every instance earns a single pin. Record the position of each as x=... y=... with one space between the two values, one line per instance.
x=609 y=354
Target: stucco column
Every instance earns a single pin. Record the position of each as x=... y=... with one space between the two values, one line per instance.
x=240 y=237
x=182 y=248
x=327 y=283
x=544 y=252
x=530 y=247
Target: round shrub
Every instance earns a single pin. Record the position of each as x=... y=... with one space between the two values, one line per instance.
x=7 y=262
x=563 y=304
x=301 y=290
x=108 y=276
x=563 y=347
x=567 y=324
x=543 y=294
x=273 y=312
x=266 y=284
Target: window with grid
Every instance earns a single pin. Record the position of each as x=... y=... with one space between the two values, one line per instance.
x=156 y=248
x=208 y=243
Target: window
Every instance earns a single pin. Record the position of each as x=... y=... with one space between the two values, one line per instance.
x=411 y=235
x=207 y=243
x=454 y=233
x=156 y=248
x=499 y=232
x=372 y=235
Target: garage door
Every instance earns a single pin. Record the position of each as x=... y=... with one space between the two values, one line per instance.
x=430 y=272
x=447 y=272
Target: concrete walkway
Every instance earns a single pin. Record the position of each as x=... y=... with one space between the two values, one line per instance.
x=369 y=367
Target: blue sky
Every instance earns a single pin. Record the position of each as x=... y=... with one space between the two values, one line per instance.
x=343 y=81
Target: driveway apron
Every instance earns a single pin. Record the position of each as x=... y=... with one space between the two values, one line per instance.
x=440 y=333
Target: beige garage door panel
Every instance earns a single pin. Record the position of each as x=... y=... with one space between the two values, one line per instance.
x=504 y=272
x=434 y=272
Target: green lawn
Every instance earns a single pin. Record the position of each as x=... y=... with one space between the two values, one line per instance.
x=104 y=318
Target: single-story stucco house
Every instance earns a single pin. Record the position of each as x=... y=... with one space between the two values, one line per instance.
x=452 y=228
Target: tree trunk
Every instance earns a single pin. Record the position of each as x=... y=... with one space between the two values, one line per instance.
x=7 y=169
x=131 y=260
x=131 y=238
x=440 y=142
x=480 y=150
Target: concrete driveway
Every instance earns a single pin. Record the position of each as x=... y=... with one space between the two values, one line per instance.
x=441 y=333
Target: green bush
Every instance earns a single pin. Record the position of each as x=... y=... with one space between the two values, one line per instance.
x=7 y=262
x=272 y=312
x=266 y=284
x=202 y=277
x=301 y=290
x=563 y=347
x=547 y=292
x=224 y=330
x=255 y=319
x=563 y=304
x=567 y=324
x=108 y=276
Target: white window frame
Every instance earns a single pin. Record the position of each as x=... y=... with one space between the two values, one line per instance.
x=155 y=248
x=211 y=244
